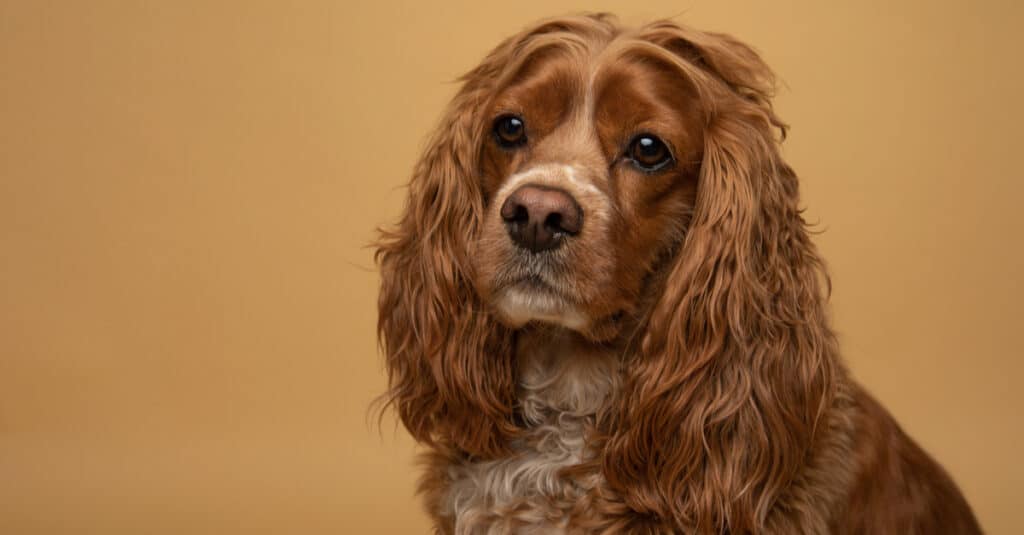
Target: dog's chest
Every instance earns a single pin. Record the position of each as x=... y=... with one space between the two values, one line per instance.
x=528 y=491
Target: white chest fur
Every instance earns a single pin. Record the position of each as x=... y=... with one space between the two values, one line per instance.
x=562 y=387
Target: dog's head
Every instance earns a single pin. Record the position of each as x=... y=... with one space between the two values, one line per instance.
x=588 y=170
x=626 y=185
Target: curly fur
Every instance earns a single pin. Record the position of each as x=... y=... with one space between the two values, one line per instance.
x=704 y=393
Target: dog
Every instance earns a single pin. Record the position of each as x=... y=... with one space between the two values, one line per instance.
x=601 y=311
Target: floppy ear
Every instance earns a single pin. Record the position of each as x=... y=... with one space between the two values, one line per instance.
x=722 y=399
x=449 y=362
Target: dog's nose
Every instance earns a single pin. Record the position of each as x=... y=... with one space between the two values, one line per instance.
x=539 y=217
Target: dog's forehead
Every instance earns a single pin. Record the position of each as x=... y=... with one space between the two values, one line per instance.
x=630 y=97
x=546 y=92
x=618 y=90
x=586 y=108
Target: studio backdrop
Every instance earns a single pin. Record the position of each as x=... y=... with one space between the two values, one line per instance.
x=188 y=191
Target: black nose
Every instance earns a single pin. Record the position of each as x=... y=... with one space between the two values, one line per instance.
x=538 y=218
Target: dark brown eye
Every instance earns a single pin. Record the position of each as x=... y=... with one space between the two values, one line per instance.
x=649 y=153
x=509 y=131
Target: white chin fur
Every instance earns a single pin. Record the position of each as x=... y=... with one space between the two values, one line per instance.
x=519 y=307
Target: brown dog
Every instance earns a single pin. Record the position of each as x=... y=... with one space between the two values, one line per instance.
x=602 y=313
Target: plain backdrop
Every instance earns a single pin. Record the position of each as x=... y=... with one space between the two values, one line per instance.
x=188 y=190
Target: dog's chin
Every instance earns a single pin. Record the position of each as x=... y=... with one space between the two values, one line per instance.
x=522 y=303
x=518 y=307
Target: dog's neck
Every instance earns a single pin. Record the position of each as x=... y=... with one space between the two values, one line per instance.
x=562 y=374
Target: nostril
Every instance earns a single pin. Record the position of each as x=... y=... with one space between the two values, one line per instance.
x=568 y=218
x=520 y=214
x=554 y=222
x=571 y=222
x=514 y=211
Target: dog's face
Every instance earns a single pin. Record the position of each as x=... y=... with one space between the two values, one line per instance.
x=589 y=175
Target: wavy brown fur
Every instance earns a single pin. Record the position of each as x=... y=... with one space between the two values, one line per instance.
x=706 y=395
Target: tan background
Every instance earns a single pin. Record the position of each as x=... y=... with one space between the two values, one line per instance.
x=187 y=306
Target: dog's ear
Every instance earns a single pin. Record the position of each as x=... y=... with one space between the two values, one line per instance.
x=721 y=400
x=449 y=362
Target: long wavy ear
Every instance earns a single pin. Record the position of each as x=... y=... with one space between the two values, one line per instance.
x=722 y=399
x=449 y=362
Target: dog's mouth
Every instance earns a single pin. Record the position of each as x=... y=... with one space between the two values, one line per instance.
x=543 y=274
x=535 y=283
x=533 y=297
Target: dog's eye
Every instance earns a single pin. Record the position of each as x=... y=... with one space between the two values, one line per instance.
x=509 y=131
x=649 y=153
